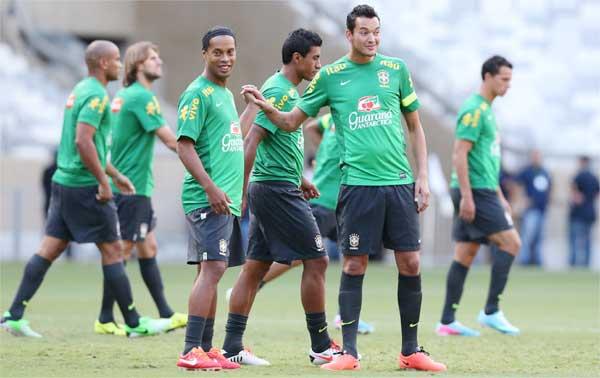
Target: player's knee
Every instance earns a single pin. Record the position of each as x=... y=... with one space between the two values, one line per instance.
x=112 y=252
x=511 y=244
x=409 y=264
x=318 y=265
x=214 y=271
x=354 y=267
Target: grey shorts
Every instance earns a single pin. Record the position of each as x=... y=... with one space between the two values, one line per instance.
x=136 y=216
x=490 y=217
x=325 y=221
x=75 y=214
x=369 y=216
x=282 y=226
x=214 y=237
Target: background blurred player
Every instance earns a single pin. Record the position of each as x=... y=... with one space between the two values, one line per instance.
x=481 y=213
x=81 y=206
x=136 y=120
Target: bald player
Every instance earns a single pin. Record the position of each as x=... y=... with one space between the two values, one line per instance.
x=81 y=204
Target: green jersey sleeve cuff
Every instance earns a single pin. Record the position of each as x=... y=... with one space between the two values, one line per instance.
x=306 y=109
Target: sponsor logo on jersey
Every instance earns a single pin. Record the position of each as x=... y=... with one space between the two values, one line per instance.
x=390 y=64
x=153 y=107
x=354 y=240
x=234 y=128
x=368 y=103
x=384 y=78
x=70 y=101
x=115 y=105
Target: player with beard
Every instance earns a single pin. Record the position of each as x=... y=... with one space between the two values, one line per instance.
x=81 y=205
x=137 y=120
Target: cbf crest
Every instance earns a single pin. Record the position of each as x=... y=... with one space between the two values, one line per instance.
x=223 y=247
x=354 y=240
x=319 y=242
x=384 y=78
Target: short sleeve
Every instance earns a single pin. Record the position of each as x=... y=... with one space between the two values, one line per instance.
x=147 y=111
x=469 y=125
x=92 y=110
x=191 y=116
x=409 y=101
x=273 y=95
x=315 y=96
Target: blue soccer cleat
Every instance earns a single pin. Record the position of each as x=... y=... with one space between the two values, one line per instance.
x=497 y=321
x=455 y=329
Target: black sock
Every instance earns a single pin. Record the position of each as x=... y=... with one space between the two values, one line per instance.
x=501 y=263
x=118 y=283
x=152 y=279
x=317 y=327
x=193 y=332
x=108 y=301
x=409 y=303
x=454 y=288
x=234 y=332
x=350 y=302
x=33 y=275
x=207 y=335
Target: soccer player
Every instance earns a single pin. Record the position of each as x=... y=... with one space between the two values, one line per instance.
x=282 y=227
x=366 y=93
x=327 y=177
x=481 y=213
x=81 y=206
x=210 y=146
x=137 y=119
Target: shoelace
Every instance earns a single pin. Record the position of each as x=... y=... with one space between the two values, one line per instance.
x=200 y=353
x=421 y=350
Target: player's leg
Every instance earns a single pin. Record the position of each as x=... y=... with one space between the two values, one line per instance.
x=506 y=246
x=33 y=275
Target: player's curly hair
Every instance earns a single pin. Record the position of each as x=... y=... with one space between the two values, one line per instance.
x=363 y=10
x=300 y=41
x=136 y=54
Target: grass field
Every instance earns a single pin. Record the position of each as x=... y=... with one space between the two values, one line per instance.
x=558 y=313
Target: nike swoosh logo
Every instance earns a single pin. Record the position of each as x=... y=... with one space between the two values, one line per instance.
x=348 y=323
x=189 y=362
x=323 y=329
x=405 y=363
x=411 y=325
x=131 y=307
x=219 y=104
x=342 y=83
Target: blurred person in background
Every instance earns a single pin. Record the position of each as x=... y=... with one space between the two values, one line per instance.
x=136 y=122
x=537 y=183
x=481 y=213
x=583 y=213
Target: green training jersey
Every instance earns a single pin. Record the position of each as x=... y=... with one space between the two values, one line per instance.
x=136 y=115
x=87 y=103
x=328 y=175
x=477 y=124
x=279 y=156
x=366 y=101
x=207 y=115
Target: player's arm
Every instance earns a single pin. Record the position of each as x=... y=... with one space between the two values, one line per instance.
x=313 y=132
x=84 y=141
x=247 y=117
x=121 y=181
x=255 y=135
x=419 y=147
x=461 y=166
x=219 y=201
x=167 y=136
x=286 y=121
x=503 y=200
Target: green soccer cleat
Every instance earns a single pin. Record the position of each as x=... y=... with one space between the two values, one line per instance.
x=110 y=328
x=177 y=320
x=148 y=327
x=17 y=327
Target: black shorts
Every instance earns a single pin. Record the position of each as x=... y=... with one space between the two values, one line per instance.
x=136 y=216
x=75 y=214
x=371 y=215
x=214 y=237
x=282 y=227
x=490 y=217
x=325 y=221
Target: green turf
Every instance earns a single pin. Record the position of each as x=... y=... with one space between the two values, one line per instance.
x=558 y=314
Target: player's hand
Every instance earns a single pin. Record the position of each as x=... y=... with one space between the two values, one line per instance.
x=218 y=199
x=422 y=194
x=467 y=209
x=252 y=94
x=244 y=202
x=309 y=190
x=104 y=192
x=124 y=184
x=506 y=205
